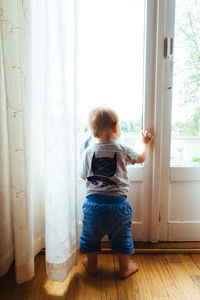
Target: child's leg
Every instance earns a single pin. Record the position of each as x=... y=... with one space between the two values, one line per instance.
x=127 y=265
x=90 y=262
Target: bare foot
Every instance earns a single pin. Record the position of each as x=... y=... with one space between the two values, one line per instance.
x=132 y=268
x=90 y=269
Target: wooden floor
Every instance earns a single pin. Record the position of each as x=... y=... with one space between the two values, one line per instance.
x=160 y=276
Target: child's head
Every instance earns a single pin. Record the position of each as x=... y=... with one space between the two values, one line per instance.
x=104 y=122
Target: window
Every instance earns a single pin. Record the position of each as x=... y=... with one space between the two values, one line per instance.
x=185 y=143
x=110 y=61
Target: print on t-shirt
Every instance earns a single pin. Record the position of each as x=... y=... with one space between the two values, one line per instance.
x=102 y=168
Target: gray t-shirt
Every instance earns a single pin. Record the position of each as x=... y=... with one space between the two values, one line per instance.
x=104 y=165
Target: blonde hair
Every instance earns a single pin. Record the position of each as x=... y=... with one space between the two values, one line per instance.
x=101 y=119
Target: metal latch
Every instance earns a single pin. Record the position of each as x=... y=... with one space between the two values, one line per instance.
x=168 y=47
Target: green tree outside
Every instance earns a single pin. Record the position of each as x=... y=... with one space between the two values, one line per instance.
x=187 y=66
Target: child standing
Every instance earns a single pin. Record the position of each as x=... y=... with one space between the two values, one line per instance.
x=106 y=211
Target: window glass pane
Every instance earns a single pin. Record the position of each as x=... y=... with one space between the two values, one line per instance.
x=185 y=141
x=110 y=61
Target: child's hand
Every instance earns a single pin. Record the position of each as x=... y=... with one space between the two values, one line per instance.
x=147 y=137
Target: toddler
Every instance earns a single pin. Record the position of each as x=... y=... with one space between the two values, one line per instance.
x=104 y=167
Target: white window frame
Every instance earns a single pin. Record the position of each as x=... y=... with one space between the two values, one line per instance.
x=162 y=123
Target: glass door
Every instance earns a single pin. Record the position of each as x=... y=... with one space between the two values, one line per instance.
x=184 y=196
x=113 y=69
x=179 y=214
x=185 y=129
x=111 y=61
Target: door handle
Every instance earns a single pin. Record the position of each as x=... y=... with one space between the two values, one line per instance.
x=168 y=47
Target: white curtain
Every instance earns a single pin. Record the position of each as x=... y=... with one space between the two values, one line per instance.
x=37 y=136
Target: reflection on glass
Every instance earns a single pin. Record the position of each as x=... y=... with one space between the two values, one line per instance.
x=110 y=61
x=185 y=142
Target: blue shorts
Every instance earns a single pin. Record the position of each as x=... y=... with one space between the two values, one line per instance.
x=104 y=214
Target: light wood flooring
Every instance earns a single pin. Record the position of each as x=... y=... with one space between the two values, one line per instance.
x=160 y=276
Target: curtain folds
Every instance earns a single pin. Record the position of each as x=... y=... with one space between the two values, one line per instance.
x=6 y=248
x=60 y=173
x=15 y=132
x=37 y=137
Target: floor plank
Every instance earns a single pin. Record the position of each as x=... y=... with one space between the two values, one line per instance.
x=152 y=275
x=107 y=277
x=160 y=276
x=184 y=281
x=172 y=285
x=196 y=259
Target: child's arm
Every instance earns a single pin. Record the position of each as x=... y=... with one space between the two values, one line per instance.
x=146 y=140
x=84 y=166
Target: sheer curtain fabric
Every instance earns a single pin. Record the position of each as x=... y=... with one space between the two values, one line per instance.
x=37 y=134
